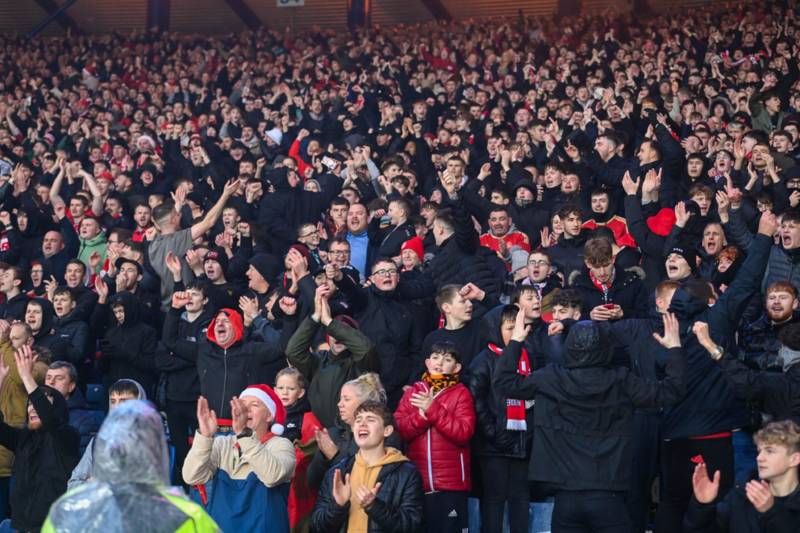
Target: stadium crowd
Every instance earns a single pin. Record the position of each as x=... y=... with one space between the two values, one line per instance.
x=440 y=278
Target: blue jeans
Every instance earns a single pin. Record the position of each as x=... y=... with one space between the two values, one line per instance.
x=542 y=513
x=744 y=456
x=5 y=495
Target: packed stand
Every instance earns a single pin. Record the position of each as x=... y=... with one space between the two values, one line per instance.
x=430 y=278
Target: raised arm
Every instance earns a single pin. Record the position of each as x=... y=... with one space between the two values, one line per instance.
x=671 y=389
x=214 y=213
x=507 y=380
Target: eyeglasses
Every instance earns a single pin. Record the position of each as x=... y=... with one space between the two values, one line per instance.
x=385 y=272
x=307 y=235
x=339 y=252
x=541 y=262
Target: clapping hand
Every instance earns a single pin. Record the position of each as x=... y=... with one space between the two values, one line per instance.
x=341 y=489
x=206 y=419
x=705 y=489
x=365 y=496
x=759 y=495
x=238 y=415
x=173 y=264
x=325 y=443
x=422 y=400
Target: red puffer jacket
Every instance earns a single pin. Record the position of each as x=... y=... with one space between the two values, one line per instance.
x=438 y=444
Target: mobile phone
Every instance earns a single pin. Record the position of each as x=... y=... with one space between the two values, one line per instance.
x=609 y=306
x=329 y=162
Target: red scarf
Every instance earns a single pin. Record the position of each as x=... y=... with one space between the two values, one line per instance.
x=515 y=409
x=602 y=287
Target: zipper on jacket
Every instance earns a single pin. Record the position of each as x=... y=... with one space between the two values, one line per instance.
x=461 y=458
x=224 y=379
x=430 y=464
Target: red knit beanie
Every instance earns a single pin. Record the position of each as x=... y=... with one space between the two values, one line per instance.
x=415 y=244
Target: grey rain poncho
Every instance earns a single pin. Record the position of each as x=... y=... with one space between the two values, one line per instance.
x=128 y=490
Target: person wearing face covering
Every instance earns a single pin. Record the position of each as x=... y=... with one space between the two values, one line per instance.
x=45 y=451
x=129 y=490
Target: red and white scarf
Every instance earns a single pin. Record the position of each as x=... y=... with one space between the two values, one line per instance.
x=515 y=409
x=602 y=287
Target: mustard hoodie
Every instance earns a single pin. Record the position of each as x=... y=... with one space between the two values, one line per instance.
x=366 y=475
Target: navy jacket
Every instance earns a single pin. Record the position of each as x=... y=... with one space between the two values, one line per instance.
x=82 y=418
x=710 y=405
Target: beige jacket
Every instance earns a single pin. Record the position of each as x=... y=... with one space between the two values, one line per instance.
x=273 y=461
x=14 y=400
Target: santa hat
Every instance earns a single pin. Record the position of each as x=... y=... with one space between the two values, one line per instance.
x=273 y=403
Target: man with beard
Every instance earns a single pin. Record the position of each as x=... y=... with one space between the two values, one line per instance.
x=758 y=340
x=503 y=236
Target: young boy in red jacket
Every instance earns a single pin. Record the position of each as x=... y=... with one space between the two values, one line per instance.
x=436 y=417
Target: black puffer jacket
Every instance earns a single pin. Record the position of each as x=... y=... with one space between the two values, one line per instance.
x=75 y=332
x=626 y=291
x=398 y=508
x=759 y=344
x=584 y=409
x=43 y=459
x=388 y=321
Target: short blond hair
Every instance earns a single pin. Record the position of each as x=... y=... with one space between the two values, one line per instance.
x=785 y=433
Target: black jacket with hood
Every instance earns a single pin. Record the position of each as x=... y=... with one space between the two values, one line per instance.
x=584 y=409
x=177 y=354
x=460 y=259
x=710 y=405
x=225 y=372
x=43 y=459
x=129 y=348
x=46 y=336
